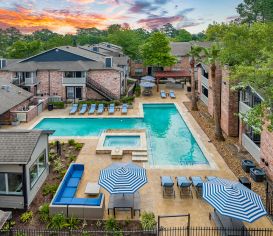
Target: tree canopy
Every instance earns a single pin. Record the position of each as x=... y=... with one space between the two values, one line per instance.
x=156 y=51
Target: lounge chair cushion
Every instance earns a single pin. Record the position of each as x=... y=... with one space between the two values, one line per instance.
x=197 y=181
x=73 y=182
x=78 y=201
x=77 y=174
x=64 y=200
x=183 y=181
x=167 y=181
x=69 y=192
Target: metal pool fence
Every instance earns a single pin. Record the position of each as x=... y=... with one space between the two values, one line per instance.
x=183 y=231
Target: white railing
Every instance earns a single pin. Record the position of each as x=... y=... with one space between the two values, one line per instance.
x=30 y=81
x=81 y=80
x=251 y=147
x=204 y=99
x=204 y=81
x=243 y=107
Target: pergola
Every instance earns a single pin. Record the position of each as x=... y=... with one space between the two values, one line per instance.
x=171 y=74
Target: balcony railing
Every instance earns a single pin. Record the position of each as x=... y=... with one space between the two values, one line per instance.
x=204 y=81
x=74 y=81
x=251 y=147
x=25 y=82
x=204 y=98
x=244 y=107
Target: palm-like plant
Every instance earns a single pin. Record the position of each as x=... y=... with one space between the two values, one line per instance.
x=194 y=57
x=212 y=55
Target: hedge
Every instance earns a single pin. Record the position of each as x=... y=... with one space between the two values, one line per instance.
x=57 y=105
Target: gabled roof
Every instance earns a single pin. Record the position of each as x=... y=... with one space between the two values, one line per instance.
x=17 y=146
x=11 y=96
x=180 y=48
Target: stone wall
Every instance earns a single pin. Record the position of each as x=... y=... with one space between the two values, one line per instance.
x=267 y=151
x=93 y=95
x=229 y=106
x=110 y=79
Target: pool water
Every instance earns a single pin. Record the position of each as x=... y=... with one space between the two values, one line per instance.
x=122 y=141
x=169 y=139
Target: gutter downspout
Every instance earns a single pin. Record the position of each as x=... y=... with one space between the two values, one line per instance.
x=25 y=187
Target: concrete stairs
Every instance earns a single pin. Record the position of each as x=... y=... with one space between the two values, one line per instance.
x=140 y=156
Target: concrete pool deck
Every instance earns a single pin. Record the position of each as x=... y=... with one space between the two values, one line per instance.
x=151 y=193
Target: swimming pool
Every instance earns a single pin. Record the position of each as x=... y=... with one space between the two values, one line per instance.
x=121 y=141
x=170 y=141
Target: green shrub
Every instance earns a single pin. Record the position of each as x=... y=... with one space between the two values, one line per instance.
x=73 y=223
x=20 y=234
x=71 y=142
x=58 y=166
x=9 y=225
x=111 y=224
x=78 y=146
x=147 y=220
x=44 y=212
x=57 y=222
x=72 y=158
x=137 y=90
x=57 y=105
x=26 y=216
x=49 y=189
x=62 y=173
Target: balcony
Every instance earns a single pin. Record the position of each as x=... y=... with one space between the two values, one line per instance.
x=204 y=81
x=25 y=82
x=244 y=107
x=74 y=81
x=251 y=147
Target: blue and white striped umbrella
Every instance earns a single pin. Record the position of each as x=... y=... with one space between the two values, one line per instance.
x=148 y=78
x=233 y=199
x=123 y=178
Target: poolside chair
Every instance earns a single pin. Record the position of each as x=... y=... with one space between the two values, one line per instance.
x=209 y=178
x=73 y=109
x=83 y=109
x=167 y=184
x=184 y=185
x=124 y=109
x=100 y=109
x=111 y=109
x=92 y=109
x=172 y=94
x=197 y=184
x=163 y=94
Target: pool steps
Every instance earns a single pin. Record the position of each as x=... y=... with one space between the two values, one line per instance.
x=139 y=156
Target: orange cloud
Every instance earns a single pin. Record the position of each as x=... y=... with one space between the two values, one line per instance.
x=61 y=21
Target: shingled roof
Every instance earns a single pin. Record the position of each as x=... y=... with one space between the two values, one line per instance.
x=17 y=146
x=11 y=95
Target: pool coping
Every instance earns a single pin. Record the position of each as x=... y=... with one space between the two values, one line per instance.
x=185 y=115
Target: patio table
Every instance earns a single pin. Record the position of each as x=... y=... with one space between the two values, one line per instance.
x=124 y=201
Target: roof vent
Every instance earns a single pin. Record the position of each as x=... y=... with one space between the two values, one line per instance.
x=6 y=88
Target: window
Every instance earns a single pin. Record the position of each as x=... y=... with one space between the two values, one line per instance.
x=27 y=75
x=78 y=74
x=256 y=138
x=37 y=168
x=139 y=71
x=205 y=91
x=11 y=183
x=73 y=74
x=70 y=92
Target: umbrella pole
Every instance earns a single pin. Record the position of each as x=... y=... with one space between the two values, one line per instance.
x=157 y=84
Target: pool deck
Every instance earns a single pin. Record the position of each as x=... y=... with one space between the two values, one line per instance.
x=151 y=193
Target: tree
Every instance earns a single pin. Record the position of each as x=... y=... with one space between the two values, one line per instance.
x=194 y=55
x=156 y=51
x=212 y=57
x=183 y=36
x=113 y=28
x=251 y=11
x=169 y=30
x=43 y=35
x=23 y=49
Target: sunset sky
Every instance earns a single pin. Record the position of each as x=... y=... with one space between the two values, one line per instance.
x=65 y=16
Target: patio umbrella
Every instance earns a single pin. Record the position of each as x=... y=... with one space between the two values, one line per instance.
x=125 y=178
x=148 y=78
x=233 y=199
x=146 y=84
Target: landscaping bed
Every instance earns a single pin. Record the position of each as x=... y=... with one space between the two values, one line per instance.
x=58 y=167
x=227 y=149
